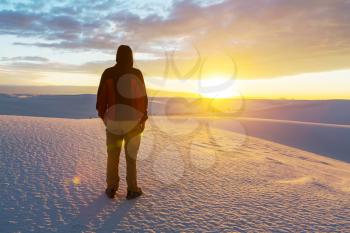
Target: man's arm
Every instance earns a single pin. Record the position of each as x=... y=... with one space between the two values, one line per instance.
x=101 y=102
x=144 y=99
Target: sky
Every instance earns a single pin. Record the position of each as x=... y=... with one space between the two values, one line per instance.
x=257 y=48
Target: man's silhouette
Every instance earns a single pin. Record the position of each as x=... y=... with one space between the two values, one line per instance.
x=122 y=105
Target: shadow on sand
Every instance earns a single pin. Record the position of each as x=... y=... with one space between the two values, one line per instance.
x=102 y=214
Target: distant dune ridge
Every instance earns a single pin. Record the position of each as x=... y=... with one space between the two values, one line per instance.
x=53 y=177
x=317 y=126
x=83 y=106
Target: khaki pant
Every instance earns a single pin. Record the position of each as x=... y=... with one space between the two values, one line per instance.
x=117 y=134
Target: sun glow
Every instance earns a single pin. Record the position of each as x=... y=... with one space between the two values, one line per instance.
x=218 y=87
x=66 y=78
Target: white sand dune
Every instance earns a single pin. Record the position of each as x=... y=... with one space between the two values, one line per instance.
x=62 y=106
x=195 y=178
x=318 y=111
x=331 y=140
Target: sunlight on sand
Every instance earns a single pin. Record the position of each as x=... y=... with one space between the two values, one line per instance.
x=301 y=180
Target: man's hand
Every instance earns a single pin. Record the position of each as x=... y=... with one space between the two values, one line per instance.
x=142 y=126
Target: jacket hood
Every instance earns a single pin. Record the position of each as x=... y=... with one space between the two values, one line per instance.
x=124 y=57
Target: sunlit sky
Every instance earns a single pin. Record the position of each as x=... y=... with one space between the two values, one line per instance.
x=257 y=48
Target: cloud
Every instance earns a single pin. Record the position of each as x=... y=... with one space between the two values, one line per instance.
x=25 y=58
x=11 y=20
x=267 y=38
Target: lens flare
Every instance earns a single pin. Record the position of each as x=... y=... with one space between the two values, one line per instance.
x=76 y=180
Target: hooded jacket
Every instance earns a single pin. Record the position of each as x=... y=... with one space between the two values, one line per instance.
x=122 y=88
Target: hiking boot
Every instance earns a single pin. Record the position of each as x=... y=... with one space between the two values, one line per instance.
x=110 y=192
x=134 y=194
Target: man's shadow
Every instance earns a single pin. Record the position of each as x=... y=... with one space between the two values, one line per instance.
x=116 y=210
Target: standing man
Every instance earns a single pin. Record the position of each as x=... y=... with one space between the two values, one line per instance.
x=122 y=105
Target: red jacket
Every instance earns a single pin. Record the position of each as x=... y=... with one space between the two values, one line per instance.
x=112 y=91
